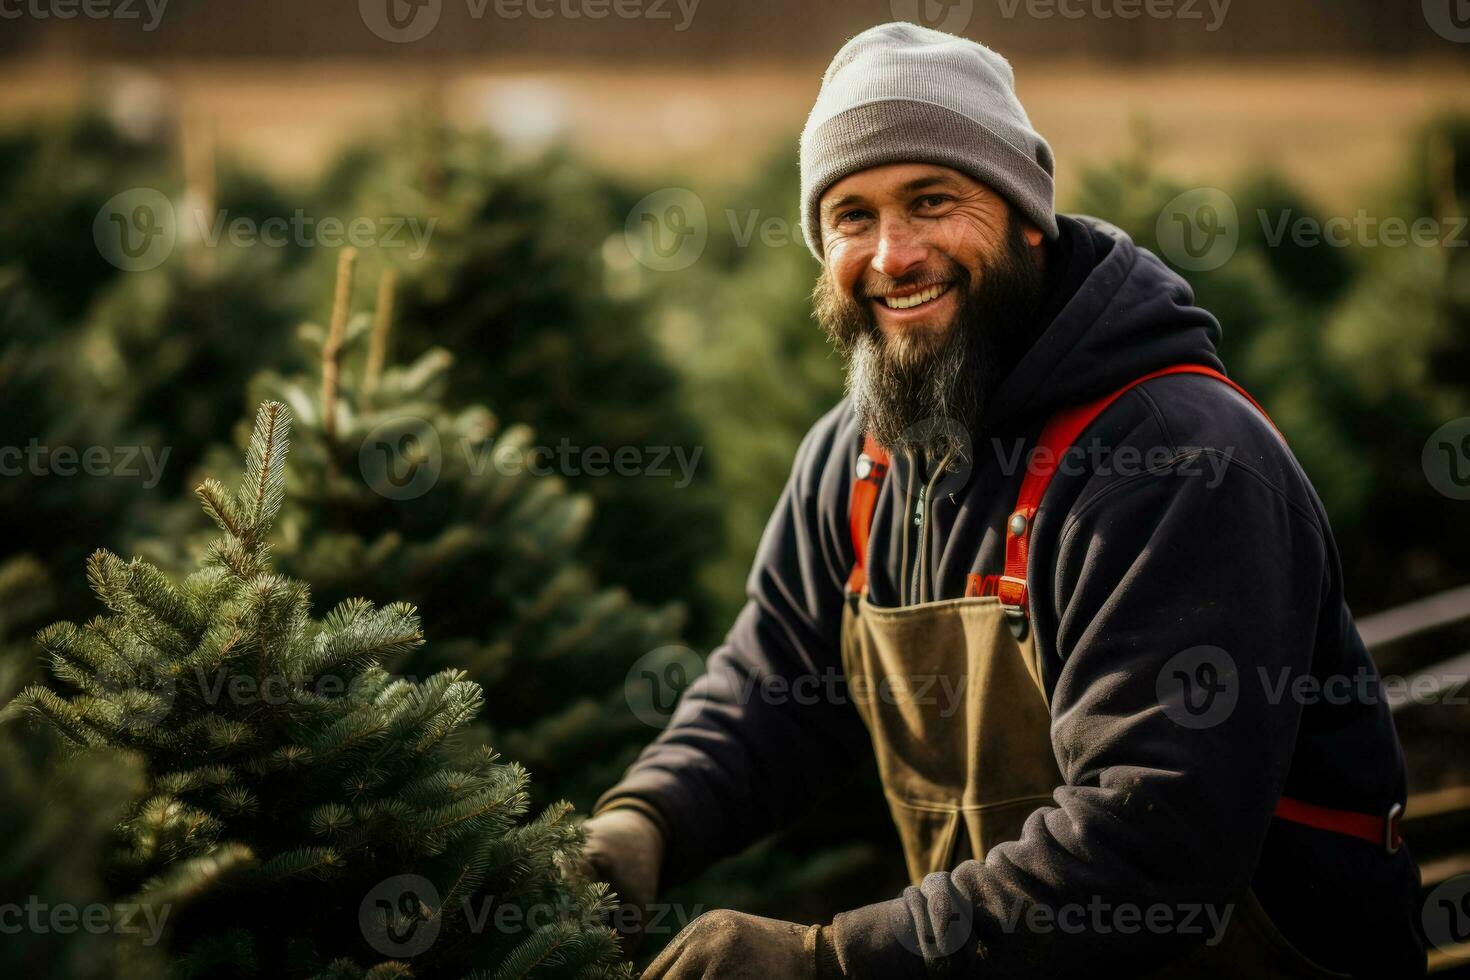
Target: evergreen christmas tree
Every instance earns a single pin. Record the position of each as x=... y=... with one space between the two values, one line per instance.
x=101 y=366
x=57 y=820
x=1357 y=351
x=302 y=816
x=761 y=372
x=55 y=829
x=55 y=175
x=513 y=282
x=27 y=598
x=442 y=503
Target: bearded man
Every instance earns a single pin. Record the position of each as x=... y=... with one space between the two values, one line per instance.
x=1076 y=586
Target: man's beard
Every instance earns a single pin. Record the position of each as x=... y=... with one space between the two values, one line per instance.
x=926 y=390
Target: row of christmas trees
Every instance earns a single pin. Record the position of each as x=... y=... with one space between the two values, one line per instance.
x=508 y=334
x=536 y=602
x=281 y=796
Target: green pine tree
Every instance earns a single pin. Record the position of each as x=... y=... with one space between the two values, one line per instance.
x=514 y=283
x=55 y=830
x=1358 y=352
x=100 y=360
x=52 y=851
x=761 y=372
x=301 y=814
x=436 y=500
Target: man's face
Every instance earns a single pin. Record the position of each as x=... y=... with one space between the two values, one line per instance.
x=928 y=284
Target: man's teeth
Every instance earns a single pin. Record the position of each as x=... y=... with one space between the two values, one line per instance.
x=924 y=296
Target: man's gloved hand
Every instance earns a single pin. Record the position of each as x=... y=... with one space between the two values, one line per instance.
x=726 y=945
x=625 y=849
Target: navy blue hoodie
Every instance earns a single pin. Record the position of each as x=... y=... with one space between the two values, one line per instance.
x=1189 y=524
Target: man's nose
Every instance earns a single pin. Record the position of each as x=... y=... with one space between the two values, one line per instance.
x=900 y=249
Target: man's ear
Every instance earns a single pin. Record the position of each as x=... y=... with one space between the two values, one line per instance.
x=1032 y=233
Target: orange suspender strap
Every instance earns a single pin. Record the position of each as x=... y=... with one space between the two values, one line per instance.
x=1059 y=436
x=1383 y=831
x=1056 y=438
x=871 y=467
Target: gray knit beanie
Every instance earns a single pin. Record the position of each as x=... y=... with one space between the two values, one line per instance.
x=900 y=93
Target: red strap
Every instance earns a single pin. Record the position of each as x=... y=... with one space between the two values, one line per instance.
x=1058 y=437
x=1060 y=434
x=1383 y=831
x=872 y=465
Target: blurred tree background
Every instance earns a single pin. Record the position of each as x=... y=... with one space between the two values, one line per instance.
x=527 y=321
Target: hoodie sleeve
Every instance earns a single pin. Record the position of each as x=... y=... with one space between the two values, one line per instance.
x=758 y=737
x=1161 y=577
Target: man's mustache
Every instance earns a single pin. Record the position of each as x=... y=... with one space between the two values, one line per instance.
x=956 y=275
x=867 y=291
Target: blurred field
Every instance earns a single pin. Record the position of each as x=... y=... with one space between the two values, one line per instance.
x=1335 y=127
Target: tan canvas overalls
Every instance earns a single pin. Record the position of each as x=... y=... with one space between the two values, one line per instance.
x=963 y=769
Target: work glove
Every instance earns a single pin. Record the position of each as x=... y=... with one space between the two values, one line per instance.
x=624 y=848
x=726 y=945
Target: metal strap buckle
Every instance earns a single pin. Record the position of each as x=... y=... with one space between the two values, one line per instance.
x=1016 y=616
x=1391 y=839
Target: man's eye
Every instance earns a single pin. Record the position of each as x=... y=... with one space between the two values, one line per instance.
x=848 y=216
x=935 y=200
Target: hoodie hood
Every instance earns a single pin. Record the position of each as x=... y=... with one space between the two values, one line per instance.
x=1130 y=315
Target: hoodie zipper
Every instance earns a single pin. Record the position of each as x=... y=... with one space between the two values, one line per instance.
x=917 y=519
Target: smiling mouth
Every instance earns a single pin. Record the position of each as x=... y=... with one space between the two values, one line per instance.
x=923 y=296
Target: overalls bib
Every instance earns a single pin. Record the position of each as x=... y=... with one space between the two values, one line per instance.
x=953 y=696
